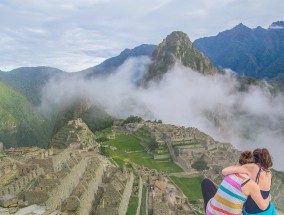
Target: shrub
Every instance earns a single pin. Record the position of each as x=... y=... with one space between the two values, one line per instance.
x=200 y=165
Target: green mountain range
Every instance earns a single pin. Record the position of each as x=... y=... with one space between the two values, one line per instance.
x=20 y=124
x=30 y=80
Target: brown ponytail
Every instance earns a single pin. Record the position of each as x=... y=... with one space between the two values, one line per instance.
x=263 y=157
x=246 y=157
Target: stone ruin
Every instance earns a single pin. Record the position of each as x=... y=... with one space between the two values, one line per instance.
x=116 y=192
x=162 y=195
x=188 y=145
x=76 y=181
x=65 y=181
x=76 y=135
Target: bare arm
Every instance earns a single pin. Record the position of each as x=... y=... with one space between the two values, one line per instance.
x=257 y=197
x=234 y=169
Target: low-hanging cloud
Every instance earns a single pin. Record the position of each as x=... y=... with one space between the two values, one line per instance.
x=247 y=119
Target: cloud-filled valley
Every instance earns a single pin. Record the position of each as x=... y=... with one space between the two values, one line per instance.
x=247 y=119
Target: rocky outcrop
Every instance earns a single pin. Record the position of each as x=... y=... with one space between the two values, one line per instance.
x=177 y=48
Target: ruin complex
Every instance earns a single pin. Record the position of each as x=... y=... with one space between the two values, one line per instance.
x=72 y=177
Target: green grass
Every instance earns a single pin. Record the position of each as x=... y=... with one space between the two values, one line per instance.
x=143 y=207
x=125 y=144
x=190 y=187
x=132 y=206
x=104 y=132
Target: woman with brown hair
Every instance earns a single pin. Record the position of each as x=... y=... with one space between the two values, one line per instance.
x=260 y=172
x=232 y=193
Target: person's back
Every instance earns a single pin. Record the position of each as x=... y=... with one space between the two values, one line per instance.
x=233 y=192
x=260 y=173
x=229 y=198
x=263 y=178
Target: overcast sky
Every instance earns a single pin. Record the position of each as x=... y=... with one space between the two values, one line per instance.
x=76 y=34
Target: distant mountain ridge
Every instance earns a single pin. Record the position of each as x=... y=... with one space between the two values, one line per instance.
x=111 y=64
x=30 y=80
x=257 y=53
x=177 y=48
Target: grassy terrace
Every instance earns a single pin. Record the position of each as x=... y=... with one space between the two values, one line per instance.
x=132 y=206
x=190 y=187
x=129 y=149
x=104 y=132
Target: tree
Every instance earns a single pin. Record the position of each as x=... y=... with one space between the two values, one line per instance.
x=133 y=119
x=200 y=165
x=153 y=145
x=104 y=151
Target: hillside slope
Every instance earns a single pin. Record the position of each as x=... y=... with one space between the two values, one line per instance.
x=20 y=123
x=30 y=80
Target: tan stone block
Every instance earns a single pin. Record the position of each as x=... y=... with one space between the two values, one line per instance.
x=13 y=210
x=7 y=200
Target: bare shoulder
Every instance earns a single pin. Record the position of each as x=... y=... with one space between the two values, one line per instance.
x=252 y=167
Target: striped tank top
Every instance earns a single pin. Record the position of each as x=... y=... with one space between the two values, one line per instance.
x=229 y=198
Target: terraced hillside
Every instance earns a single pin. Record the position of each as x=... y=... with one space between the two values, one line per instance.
x=129 y=168
x=75 y=133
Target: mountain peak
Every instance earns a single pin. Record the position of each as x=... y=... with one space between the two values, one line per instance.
x=277 y=25
x=241 y=27
x=177 y=35
x=177 y=48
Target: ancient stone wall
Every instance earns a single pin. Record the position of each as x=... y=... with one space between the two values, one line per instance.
x=140 y=191
x=44 y=163
x=67 y=184
x=185 y=165
x=6 y=169
x=59 y=159
x=20 y=184
x=126 y=195
x=36 y=196
x=164 y=156
x=87 y=198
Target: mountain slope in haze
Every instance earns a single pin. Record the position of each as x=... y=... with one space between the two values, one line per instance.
x=111 y=64
x=177 y=47
x=94 y=117
x=257 y=53
x=30 y=80
x=20 y=124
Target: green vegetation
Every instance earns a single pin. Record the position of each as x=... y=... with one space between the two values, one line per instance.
x=143 y=207
x=30 y=80
x=103 y=135
x=200 y=165
x=133 y=119
x=102 y=139
x=132 y=206
x=190 y=187
x=21 y=124
x=147 y=140
x=97 y=119
x=104 y=151
x=129 y=149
